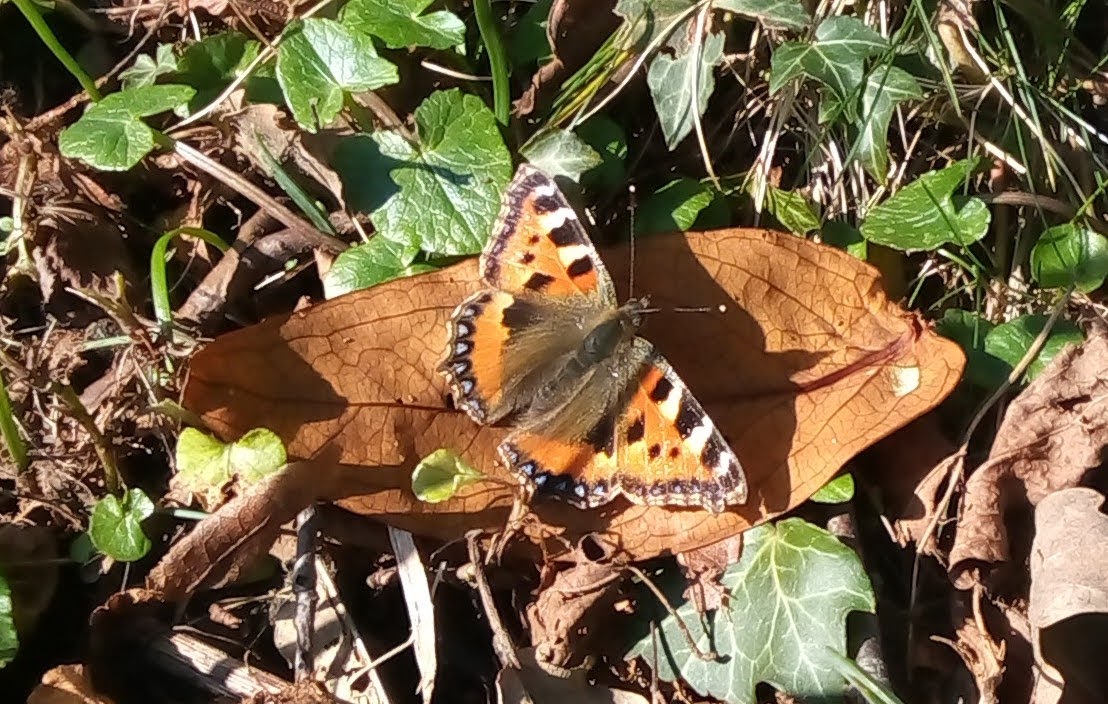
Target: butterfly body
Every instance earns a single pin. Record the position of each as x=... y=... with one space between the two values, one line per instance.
x=547 y=348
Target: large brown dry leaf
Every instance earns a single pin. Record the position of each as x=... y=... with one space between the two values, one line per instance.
x=1052 y=434
x=1069 y=597
x=811 y=366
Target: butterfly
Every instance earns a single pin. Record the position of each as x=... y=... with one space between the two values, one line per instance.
x=595 y=411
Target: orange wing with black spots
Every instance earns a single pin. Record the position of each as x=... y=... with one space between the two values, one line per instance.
x=538 y=245
x=657 y=446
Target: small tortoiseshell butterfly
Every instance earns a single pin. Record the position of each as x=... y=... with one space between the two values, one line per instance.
x=595 y=410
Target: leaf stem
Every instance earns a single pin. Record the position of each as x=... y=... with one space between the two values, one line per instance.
x=34 y=17
x=498 y=62
x=159 y=290
x=10 y=430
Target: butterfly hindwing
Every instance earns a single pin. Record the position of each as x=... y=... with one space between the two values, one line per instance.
x=654 y=444
x=538 y=245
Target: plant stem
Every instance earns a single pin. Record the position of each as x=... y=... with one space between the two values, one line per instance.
x=31 y=12
x=10 y=430
x=159 y=289
x=498 y=62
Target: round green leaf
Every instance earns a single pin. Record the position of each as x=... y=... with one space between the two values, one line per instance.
x=9 y=639
x=369 y=264
x=1011 y=341
x=560 y=152
x=440 y=475
x=115 y=525
x=205 y=462
x=1070 y=255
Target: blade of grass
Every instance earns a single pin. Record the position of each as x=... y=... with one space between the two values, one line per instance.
x=10 y=429
x=871 y=690
x=294 y=191
x=34 y=17
x=159 y=290
x=498 y=62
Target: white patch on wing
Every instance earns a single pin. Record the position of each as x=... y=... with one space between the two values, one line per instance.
x=554 y=220
x=699 y=436
x=570 y=254
x=671 y=404
x=547 y=189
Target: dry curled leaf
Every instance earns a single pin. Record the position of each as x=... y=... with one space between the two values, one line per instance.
x=801 y=360
x=1052 y=434
x=1069 y=597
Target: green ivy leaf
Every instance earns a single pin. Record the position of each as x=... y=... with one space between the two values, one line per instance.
x=837 y=491
x=111 y=136
x=789 y=596
x=9 y=639
x=400 y=24
x=146 y=70
x=205 y=462
x=369 y=264
x=675 y=206
x=775 y=14
x=792 y=210
x=442 y=194
x=115 y=525
x=671 y=81
x=647 y=19
x=835 y=58
x=846 y=237
x=319 y=62
x=440 y=475
x=559 y=152
x=1070 y=255
x=926 y=215
x=885 y=87
x=1010 y=341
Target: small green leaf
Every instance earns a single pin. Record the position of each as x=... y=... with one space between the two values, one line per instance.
x=885 y=87
x=970 y=330
x=400 y=25
x=115 y=525
x=9 y=639
x=559 y=152
x=205 y=462
x=1010 y=341
x=846 y=237
x=675 y=206
x=925 y=215
x=369 y=264
x=441 y=195
x=440 y=475
x=111 y=136
x=210 y=64
x=671 y=81
x=775 y=14
x=792 y=210
x=1068 y=255
x=608 y=140
x=528 y=43
x=789 y=596
x=146 y=70
x=319 y=62
x=835 y=58
x=837 y=491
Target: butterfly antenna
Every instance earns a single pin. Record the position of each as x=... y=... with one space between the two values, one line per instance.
x=631 y=274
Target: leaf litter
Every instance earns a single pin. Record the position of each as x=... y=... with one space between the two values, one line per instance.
x=807 y=364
